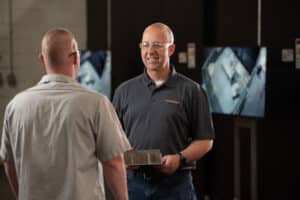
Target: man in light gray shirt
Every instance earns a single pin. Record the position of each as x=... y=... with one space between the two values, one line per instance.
x=55 y=133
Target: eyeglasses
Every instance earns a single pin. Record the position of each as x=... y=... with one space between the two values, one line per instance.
x=155 y=45
x=73 y=53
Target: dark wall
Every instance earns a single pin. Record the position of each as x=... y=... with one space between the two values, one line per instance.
x=212 y=23
x=235 y=23
x=279 y=148
x=96 y=24
x=279 y=31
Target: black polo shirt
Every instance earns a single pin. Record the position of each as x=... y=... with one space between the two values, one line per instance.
x=167 y=117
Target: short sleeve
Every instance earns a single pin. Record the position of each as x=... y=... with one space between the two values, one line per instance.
x=117 y=105
x=202 y=126
x=111 y=140
x=5 y=145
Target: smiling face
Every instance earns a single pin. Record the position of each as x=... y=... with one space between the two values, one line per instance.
x=156 y=48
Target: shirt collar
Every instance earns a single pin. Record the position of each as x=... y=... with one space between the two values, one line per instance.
x=147 y=81
x=56 y=78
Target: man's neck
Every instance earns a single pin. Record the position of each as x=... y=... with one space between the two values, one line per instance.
x=62 y=71
x=161 y=75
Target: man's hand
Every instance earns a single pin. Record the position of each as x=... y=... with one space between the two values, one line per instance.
x=169 y=163
x=11 y=174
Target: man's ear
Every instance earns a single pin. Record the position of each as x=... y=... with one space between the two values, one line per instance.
x=77 y=58
x=171 y=49
x=76 y=63
x=41 y=58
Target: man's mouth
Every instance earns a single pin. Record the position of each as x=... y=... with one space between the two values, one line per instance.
x=152 y=59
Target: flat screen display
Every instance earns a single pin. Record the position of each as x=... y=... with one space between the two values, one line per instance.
x=234 y=79
x=95 y=71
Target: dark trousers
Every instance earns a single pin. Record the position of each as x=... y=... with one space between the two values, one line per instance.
x=178 y=186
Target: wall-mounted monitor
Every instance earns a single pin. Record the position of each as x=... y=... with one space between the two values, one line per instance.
x=95 y=71
x=234 y=79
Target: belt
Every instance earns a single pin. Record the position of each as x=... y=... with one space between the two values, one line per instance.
x=151 y=174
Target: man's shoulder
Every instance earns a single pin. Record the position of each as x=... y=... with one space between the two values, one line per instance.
x=19 y=98
x=88 y=95
x=70 y=89
x=190 y=85
x=186 y=81
x=22 y=94
x=130 y=83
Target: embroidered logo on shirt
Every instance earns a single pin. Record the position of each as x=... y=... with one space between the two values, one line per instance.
x=173 y=101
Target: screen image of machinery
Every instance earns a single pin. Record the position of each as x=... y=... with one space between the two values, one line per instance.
x=234 y=79
x=95 y=71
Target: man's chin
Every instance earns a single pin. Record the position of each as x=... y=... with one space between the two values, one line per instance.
x=152 y=66
x=152 y=69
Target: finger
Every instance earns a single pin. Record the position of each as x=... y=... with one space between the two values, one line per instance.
x=163 y=160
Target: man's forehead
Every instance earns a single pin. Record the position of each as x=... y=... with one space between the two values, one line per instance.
x=155 y=34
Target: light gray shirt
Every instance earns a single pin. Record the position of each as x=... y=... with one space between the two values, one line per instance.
x=56 y=132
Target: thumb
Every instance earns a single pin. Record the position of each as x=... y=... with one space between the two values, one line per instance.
x=163 y=160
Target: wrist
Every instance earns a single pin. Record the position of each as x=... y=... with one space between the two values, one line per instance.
x=182 y=159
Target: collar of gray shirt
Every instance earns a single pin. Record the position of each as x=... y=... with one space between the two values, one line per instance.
x=56 y=78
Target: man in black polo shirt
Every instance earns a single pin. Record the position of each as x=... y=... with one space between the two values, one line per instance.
x=162 y=109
